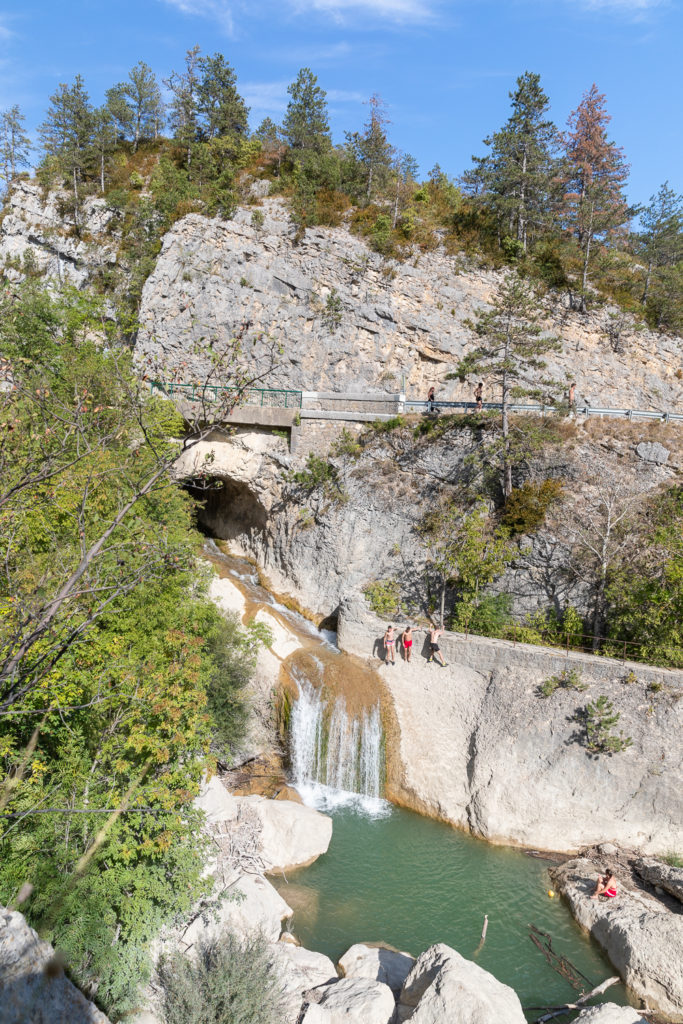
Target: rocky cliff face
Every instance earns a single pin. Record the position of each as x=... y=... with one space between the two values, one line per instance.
x=347 y=318
x=478 y=746
x=326 y=543
x=36 y=228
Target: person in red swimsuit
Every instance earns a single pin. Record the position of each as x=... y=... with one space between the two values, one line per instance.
x=606 y=885
x=407 y=641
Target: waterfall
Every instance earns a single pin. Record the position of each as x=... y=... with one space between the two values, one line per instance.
x=336 y=759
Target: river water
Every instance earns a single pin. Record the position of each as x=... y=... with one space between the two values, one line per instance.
x=391 y=875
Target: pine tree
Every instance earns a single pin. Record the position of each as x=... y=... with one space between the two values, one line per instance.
x=269 y=135
x=103 y=139
x=137 y=105
x=184 y=106
x=221 y=109
x=372 y=149
x=306 y=126
x=15 y=144
x=66 y=132
x=516 y=178
x=596 y=173
x=662 y=236
x=511 y=343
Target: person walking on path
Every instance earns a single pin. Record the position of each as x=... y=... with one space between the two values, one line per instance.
x=572 y=399
x=478 y=395
x=435 y=650
x=407 y=641
x=390 y=645
x=430 y=400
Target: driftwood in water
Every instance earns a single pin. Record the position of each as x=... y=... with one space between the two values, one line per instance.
x=561 y=964
x=558 y=1011
x=483 y=935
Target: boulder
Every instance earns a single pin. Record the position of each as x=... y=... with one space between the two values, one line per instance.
x=653 y=451
x=637 y=932
x=292 y=835
x=610 y=1013
x=251 y=905
x=300 y=970
x=445 y=988
x=668 y=878
x=352 y=1001
x=216 y=802
x=378 y=963
x=34 y=988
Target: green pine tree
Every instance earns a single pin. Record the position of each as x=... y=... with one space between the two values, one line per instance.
x=66 y=132
x=221 y=109
x=306 y=125
x=15 y=144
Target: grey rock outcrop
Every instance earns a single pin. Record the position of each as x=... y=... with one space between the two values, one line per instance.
x=610 y=1013
x=352 y=1001
x=445 y=988
x=477 y=745
x=653 y=451
x=36 y=228
x=666 y=877
x=378 y=963
x=33 y=986
x=301 y=971
x=219 y=279
x=291 y=834
x=638 y=933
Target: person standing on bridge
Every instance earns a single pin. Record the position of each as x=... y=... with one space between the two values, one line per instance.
x=478 y=395
x=430 y=400
x=434 y=649
x=572 y=399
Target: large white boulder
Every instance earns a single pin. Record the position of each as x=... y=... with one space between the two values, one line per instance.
x=33 y=987
x=610 y=1013
x=445 y=988
x=292 y=835
x=352 y=1001
x=300 y=970
x=637 y=932
x=378 y=963
x=251 y=905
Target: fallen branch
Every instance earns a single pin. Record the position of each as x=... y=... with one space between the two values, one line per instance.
x=557 y=1011
x=561 y=964
x=483 y=935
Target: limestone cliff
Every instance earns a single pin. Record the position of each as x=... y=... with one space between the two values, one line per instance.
x=347 y=318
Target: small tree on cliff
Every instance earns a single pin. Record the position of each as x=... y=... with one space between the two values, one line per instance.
x=511 y=343
x=596 y=173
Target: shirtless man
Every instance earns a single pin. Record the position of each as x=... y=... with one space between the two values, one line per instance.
x=478 y=395
x=606 y=885
x=407 y=641
x=435 y=650
x=390 y=645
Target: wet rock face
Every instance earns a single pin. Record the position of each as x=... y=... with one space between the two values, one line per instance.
x=33 y=986
x=346 y=318
x=36 y=228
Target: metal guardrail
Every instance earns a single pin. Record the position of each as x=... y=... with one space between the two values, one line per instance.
x=282 y=398
x=543 y=410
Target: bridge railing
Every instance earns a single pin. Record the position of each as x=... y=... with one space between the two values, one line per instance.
x=545 y=410
x=282 y=398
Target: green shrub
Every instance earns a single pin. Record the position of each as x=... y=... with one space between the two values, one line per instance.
x=257 y=219
x=318 y=472
x=386 y=426
x=346 y=444
x=226 y=981
x=332 y=314
x=673 y=859
x=527 y=506
x=384 y=596
x=568 y=679
x=600 y=719
x=490 y=617
x=630 y=677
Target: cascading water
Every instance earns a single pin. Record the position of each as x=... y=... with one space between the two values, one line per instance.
x=336 y=758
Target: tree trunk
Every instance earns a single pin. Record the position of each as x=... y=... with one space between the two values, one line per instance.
x=505 y=402
x=443 y=603
x=521 y=218
x=102 y=171
x=648 y=278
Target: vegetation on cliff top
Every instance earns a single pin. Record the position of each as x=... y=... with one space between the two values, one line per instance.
x=549 y=202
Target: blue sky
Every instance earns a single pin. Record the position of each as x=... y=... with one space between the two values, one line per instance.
x=444 y=68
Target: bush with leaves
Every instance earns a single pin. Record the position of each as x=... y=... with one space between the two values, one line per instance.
x=317 y=473
x=226 y=980
x=384 y=596
x=526 y=508
x=568 y=679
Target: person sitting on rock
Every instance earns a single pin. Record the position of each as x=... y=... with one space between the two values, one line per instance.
x=606 y=885
x=390 y=645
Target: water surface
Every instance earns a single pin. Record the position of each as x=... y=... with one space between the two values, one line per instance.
x=410 y=882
